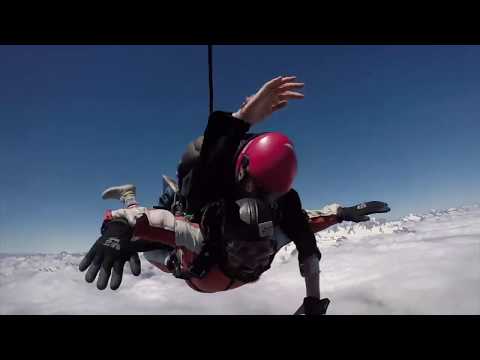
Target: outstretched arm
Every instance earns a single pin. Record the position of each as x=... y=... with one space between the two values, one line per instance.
x=334 y=214
x=312 y=303
x=309 y=268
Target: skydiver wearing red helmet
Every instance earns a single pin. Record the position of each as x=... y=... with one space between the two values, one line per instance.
x=236 y=209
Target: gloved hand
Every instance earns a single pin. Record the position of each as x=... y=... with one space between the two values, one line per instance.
x=315 y=306
x=112 y=249
x=358 y=213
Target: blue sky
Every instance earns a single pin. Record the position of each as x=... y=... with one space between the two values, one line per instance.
x=399 y=124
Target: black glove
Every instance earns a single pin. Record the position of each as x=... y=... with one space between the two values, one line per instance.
x=112 y=249
x=358 y=213
x=315 y=306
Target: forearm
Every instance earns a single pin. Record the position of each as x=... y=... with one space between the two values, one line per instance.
x=319 y=220
x=213 y=173
x=312 y=284
x=319 y=223
x=311 y=272
x=240 y=116
x=222 y=124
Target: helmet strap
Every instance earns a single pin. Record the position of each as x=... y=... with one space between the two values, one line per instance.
x=243 y=171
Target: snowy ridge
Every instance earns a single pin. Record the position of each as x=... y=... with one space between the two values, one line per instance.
x=64 y=261
x=336 y=234
x=433 y=213
x=32 y=263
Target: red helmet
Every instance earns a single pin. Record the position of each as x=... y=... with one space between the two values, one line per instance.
x=270 y=160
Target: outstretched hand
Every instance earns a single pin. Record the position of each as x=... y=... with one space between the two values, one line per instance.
x=358 y=213
x=272 y=96
x=109 y=254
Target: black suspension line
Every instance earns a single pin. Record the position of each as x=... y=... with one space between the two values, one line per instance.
x=210 y=78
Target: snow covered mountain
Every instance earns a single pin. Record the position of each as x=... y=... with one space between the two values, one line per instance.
x=354 y=232
x=410 y=266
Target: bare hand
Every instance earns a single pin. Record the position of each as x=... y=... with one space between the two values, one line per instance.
x=272 y=96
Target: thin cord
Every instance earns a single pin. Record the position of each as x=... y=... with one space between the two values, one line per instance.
x=210 y=78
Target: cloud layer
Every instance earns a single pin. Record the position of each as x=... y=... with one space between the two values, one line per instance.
x=422 y=264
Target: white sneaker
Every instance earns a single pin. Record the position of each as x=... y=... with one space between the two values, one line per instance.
x=120 y=192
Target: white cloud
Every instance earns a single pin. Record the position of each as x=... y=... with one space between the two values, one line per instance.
x=422 y=264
